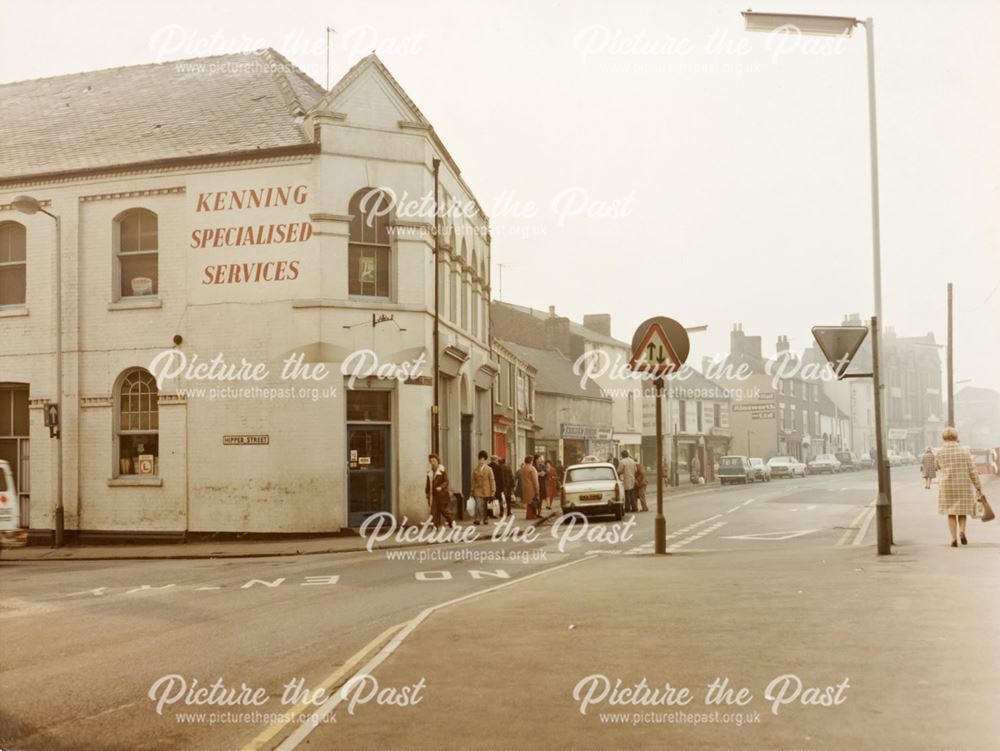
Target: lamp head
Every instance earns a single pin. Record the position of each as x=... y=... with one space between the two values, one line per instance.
x=26 y=204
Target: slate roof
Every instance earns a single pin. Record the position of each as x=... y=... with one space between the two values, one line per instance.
x=188 y=108
x=555 y=372
x=575 y=328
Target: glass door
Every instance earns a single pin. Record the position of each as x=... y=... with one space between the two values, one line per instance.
x=367 y=472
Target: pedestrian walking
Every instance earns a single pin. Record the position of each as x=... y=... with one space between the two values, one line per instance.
x=928 y=467
x=529 y=487
x=958 y=480
x=483 y=487
x=627 y=467
x=508 y=484
x=695 y=469
x=437 y=492
x=640 y=487
x=551 y=483
x=498 y=481
x=543 y=486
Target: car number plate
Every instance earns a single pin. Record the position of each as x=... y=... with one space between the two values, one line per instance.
x=591 y=497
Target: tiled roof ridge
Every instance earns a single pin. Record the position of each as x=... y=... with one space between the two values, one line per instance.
x=355 y=70
x=185 y=61
x=295 y=106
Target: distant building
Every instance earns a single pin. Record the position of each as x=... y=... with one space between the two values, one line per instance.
x=549 y=331
x=977 y=417
x=570 y=421
x=911 y=375
x=513 y=405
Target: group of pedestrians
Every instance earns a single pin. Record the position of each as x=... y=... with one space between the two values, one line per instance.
x=493 y=484
x=634 y=481
x=539 y=482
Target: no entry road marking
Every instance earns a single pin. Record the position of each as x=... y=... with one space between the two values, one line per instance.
x=777 y=536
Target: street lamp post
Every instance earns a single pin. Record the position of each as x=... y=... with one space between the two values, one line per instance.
x=30 y=205
x=843 y=26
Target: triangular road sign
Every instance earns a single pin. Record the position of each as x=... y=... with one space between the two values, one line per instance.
x=654 y=352
x=839 y=344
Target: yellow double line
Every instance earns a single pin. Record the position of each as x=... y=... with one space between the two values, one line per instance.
x=332 y=681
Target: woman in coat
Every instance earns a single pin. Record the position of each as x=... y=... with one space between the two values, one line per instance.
x=484 y=487
x=640 y=486
x=551 y=483
x=528 y=476
x=928 y=467
x=958 y=479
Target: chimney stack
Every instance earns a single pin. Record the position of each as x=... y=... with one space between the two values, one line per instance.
x=557 y=334
x=599 y=322
x=552 y=311
x=782 y=345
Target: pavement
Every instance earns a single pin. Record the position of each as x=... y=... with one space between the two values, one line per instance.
x=249 y=548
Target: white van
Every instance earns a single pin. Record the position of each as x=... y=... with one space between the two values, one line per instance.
x=11 y=533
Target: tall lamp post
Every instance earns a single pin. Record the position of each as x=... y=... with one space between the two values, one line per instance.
x=30 y=205
x=839 y=26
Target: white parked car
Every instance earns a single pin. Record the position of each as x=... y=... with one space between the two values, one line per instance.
x=593 y=488
x=761 y=471
x=12 y=535
x=786 y=466
x=824 y=463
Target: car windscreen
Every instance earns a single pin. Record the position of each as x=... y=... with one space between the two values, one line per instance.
x=777 y=460
x=731 y=461
x=590 y=474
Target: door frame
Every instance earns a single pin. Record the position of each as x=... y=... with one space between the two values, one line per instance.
x=355 y=519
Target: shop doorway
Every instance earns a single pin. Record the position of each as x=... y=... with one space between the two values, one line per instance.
x=369 y=435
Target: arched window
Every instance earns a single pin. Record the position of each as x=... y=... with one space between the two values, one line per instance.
x=137 y=423
x=13 y=263
x=475 y=297
x=453 y=280
x=368 y=251
x=465 y=285
x=136 y=240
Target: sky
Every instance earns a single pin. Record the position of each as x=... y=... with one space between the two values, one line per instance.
x=645 y=158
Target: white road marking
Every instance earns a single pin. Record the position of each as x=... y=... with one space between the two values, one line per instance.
x=748 y=502
x=735 y=508
x=307 y=726
x=864 y=527
x=855 y=524
x=773 y=535
x=698 y=536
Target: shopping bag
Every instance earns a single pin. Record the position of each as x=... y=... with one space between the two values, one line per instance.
x=495 y=507
x=470 y=506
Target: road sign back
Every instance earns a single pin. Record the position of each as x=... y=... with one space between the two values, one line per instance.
x=839 y=344
x=660 y=345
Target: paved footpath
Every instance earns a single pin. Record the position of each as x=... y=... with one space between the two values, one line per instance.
x=907 y=644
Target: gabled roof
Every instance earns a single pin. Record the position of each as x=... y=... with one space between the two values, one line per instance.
x=237 y=102
x=555 y=373
x=356 y=71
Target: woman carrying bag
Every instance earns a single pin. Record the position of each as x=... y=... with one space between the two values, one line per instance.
x=959 y=478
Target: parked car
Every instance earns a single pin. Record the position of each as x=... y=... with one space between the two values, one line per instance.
x=985 y=461
x=735 y=469
x=761 y=471
x=894 y=457
x=827 y=463
x=12 y=535
x=865 y=461
x=848 y=461
x=786 y=466
x=593 y=488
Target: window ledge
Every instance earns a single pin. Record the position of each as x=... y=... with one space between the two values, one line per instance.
x=13 y=311
x=135 y=481
x=130 y=303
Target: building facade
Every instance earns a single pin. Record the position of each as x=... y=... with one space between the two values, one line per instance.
x=248 y=304
x=513 y=405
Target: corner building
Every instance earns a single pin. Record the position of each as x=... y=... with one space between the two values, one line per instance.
x=231 y=209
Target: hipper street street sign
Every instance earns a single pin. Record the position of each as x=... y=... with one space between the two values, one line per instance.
x=660 y=345
x=839 y=344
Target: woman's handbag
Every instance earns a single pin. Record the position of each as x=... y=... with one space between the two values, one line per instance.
x=985 y=512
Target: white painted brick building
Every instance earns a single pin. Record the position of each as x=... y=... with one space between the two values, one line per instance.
x=160 y=176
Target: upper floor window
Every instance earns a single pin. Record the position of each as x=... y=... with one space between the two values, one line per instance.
x=368 y=250
x=137 y=425
x=136 y=236
x=13 y=263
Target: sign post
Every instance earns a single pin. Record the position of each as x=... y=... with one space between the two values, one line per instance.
x=840 y=344
x=659 y=346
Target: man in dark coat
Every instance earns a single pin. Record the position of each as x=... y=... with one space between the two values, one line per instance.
x=437 y=492
x=501 y=493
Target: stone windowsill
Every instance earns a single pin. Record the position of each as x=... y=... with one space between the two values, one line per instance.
x=129 y=481
x=135 y=303
x=13 y=311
